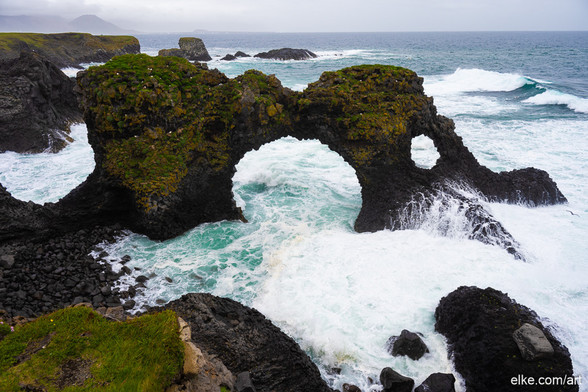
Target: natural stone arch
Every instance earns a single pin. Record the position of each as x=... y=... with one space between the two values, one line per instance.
x=320 y=168
x=167 y=135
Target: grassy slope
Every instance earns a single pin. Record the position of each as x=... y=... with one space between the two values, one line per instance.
x=143 y=354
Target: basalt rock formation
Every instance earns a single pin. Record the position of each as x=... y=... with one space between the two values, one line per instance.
x=167 y=135
x=191 y=48
x=68 y=49
x=479 y=326
x=245 y=341
x=38 y=105
x=287 y=54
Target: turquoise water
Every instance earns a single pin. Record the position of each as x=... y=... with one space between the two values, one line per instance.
x=518 y=100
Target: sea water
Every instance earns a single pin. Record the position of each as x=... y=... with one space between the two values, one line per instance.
x=517 y=99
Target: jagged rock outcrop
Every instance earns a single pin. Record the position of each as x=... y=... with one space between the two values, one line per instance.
x=68 y=49
x=479 y=326
x=191 y=48
x=287 y=54
x=245 y=341
x=167 y=135
x=37 y=105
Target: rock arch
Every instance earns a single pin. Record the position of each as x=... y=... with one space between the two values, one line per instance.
x=167 y=135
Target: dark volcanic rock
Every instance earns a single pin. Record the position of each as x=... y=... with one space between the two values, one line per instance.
x=172 y=52
x=287 y=54
x=37 y=105
x=241 y=54
x=191 y=49
x=69 y=49
x=194 y=49
x=245 y=341
x=409 y=344
x=229 y=57
x=479 y=326
x=167 y=135
x=437 y=382
x=51 y=274
x=395 y=382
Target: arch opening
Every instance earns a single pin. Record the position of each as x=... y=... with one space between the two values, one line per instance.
x=293 y=182
x=423 y=152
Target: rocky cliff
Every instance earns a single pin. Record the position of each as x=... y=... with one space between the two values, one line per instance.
x=38 y=105
x=67 y=49
x=167 y=136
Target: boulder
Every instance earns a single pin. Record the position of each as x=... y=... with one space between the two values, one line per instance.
x=287 y=54
x=532 y=342
x=395 y=382
x=479 y=326
x=68 y=49
x=194 y=49
x=244 y=383
x=38 y=105
x=245 y=341
x=437 y=382
x=165 y=160
x=241 y=54
x=409 y=344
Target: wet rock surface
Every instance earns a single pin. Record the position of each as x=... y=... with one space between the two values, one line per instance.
x=37 y=107
x=479 y=326
x=245 y=341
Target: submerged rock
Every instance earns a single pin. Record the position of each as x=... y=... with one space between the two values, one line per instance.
x=167 y=135
x=287 y=54
x=245 y=341
x=38 y=105
x=479 y=326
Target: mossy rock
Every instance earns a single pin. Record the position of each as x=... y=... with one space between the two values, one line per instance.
x=78 y=349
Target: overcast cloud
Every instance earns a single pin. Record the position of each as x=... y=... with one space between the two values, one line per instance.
x=318 y=15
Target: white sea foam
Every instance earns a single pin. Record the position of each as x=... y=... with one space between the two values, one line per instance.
x=423 y=152
x=554 y=97
x=47 y=177
x=70 y=71
x=471 y=80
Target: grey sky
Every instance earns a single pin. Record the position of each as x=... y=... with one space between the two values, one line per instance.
x=318 y=15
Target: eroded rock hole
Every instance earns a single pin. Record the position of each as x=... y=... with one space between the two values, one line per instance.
x=423 y=152
x=291 y=181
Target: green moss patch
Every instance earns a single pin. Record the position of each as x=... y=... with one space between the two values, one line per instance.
x=371 y=103
x=76 y=349
x=12 y=43
x=155 y=115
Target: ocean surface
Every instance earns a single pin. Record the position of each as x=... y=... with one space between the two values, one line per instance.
x=517 y=99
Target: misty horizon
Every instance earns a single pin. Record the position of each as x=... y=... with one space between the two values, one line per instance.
x=177 y=16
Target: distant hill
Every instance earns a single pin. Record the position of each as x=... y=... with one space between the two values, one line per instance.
x=55 y=24
x=95 y=25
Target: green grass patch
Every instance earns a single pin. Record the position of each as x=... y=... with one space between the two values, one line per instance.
x=76 y=349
